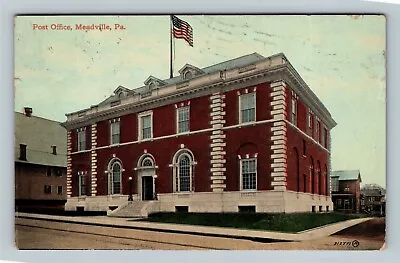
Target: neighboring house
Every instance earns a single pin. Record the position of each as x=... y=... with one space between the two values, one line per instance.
x=373 y=199
x=246 y=134
x=346 y=190
x=40 y=163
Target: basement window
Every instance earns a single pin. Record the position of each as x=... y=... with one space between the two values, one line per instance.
x=247 y=209
x=183 y=209
x=112 y=207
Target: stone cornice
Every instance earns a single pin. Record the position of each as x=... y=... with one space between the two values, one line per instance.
x=259 y=72
x=307 y=96
x=241 y=81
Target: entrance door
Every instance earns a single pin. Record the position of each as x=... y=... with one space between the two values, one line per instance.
x=147 y=188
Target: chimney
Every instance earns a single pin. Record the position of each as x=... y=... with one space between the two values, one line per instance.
x=28 y=111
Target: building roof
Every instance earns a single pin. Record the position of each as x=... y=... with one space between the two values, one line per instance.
x=159 y=92
x=39 y=134
x=347 y=175
x=226 y=65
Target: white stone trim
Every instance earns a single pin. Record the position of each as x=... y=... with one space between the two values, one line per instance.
x=254 y=94
x=277 y=102
x=278 y=93
x=140 y=128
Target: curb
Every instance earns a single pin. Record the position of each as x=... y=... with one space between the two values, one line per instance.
x=176 y=231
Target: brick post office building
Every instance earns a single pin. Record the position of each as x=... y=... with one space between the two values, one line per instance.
x=245 y=134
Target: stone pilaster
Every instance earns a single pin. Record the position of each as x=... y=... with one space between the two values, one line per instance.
x=218 y=144
x=69 y=159
x=328 y=176
x=93 y=156
x=278 y=136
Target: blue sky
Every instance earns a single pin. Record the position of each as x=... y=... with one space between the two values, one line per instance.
x=341 y=58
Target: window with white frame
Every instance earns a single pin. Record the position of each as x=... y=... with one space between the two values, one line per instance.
x=184 y=165
x=318 y=130
x=81 y=140
x=248 y=171
x=115 y=132
x=310 y=123
x=116 y=178
x=247 y=107
x=82 y=184
x=294 y=110
x=323 y=137
x=183 y=119
x=147 y=162
x=184 y=173
x=145 y=126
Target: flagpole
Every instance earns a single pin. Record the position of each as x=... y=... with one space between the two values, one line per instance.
x=171 y=74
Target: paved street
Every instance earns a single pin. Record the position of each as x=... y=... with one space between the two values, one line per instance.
x=39 y=234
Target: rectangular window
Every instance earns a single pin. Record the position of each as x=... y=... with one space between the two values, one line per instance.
x=146 y=127
x=48 y=171
x=247 y=108
x=59 y=189
x=311 y=123
x=318 y=131
x=82 y=184
x=81 y=140
x=325 y=138
x=294 y=111
x=115 y=132
x=183 y=119
x=249 y=174
x=54 y=148
x=22 y=152
x=47 y=189
x=145 y=121
x=304 y=148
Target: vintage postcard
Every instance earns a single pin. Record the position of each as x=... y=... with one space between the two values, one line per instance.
x=181 y=132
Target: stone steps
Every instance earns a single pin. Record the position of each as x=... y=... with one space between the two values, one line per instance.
x=131 y=209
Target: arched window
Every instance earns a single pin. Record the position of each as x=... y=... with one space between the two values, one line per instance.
x=297 y=169
x=147 y=162
x=183 y=171
x=114 y=176
x=319 y=178
x=188 y=75
x=326 y=181
x=312 y=176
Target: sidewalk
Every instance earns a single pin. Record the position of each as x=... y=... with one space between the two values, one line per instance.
x=265 y=236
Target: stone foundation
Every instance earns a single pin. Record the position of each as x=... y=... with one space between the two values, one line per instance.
x=274 y=201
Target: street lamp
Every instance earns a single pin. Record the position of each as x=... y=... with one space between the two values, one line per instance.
x=130 y=198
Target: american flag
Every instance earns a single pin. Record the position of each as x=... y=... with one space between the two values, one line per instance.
x=182 y=29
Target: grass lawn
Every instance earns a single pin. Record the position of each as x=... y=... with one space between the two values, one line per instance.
x=290 y=223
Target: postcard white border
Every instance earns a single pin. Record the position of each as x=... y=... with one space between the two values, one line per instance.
x=11 y=8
